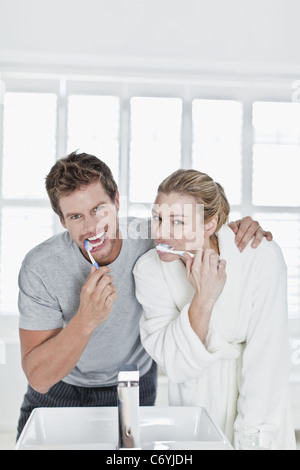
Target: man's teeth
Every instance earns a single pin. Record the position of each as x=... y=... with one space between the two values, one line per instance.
x=96 y=237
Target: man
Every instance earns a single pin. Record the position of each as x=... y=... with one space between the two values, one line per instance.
x=78 y=324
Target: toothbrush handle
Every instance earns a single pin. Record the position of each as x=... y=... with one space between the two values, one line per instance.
x=94 y=263
x=181 y=253
x=191 y=254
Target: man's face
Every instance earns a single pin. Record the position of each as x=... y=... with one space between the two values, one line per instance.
x=89 y=213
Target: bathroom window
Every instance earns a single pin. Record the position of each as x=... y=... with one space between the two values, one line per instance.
x=217 y=143
x=29 y=143
x=93 y=127
x=276 y=154
x=276 y=190
x=29 y=137
x=155 y=144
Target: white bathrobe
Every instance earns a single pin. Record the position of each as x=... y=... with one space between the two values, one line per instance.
x=240 y=374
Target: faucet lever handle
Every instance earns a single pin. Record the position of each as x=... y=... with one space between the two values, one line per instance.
x=128 y=373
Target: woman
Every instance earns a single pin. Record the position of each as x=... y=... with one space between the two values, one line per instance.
x=215 y=320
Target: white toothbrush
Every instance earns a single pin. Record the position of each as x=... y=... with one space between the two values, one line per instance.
x=165 y=248
x=88 y=247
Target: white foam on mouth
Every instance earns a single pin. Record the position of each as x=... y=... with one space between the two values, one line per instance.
x=164 y=248
x=96 y=237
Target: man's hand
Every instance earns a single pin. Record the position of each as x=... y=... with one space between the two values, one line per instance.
x=247 y=228
x=49 y=356
x=97 y=297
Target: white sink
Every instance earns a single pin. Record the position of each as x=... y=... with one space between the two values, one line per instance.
x=161 y=428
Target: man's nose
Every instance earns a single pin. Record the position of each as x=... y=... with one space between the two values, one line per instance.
x=90 y=224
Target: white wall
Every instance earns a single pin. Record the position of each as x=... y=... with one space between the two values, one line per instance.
x=233 y=34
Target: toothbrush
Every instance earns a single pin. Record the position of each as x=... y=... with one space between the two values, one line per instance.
x=164 y=248
x=87 y=247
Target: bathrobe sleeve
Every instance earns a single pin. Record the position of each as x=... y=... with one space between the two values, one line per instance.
x=264 y=386
x=166 y=332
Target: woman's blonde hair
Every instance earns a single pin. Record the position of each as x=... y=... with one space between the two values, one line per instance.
x=205 y=191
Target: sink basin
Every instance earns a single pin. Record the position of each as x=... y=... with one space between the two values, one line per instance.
x=161 y=428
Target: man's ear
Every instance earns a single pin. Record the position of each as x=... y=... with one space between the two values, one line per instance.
x=62 y=221
x=210 y=227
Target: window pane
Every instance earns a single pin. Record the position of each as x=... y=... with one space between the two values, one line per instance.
x=217 y=129
x=276 y=170
x=155 y=147
x=93 y=127
x=22 y=229
x=29 y=144
x=286 y=232
x=276 y=154
x=276 y=122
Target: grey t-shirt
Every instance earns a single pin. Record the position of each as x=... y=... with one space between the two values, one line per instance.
x=50 y=282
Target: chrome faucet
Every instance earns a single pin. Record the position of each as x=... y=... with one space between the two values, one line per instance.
x=128 y=407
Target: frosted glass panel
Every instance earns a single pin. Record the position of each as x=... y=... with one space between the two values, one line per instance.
x=22 y=229
x=93 y=127
x=217 y=131
x=276 y=154
x=276 y=122
x=155 y=147
x=276 y=170
x=29 y=144
x=286 y=232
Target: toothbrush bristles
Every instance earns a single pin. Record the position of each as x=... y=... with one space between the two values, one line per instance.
x=87 y=246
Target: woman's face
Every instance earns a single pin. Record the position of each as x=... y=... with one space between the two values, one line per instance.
x=177 y=220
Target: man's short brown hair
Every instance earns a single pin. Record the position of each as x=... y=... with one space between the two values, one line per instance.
x=74 y=171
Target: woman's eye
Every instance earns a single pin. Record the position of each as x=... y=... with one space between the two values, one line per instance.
x=156 y=218
x=178 y=222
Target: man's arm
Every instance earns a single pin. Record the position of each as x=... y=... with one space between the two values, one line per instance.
x=48 y=356
x=247 y=228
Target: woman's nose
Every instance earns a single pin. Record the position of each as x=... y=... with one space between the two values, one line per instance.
x=163 y=231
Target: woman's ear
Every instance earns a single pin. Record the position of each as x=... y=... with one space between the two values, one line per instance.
x=210 y=227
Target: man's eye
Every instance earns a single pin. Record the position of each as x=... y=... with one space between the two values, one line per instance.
x=75 y=217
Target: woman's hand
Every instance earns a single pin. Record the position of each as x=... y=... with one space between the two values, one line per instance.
x=207 y=274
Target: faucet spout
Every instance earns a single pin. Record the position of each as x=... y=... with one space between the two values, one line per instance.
x=128 y=407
